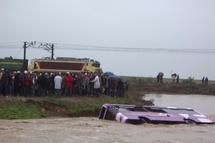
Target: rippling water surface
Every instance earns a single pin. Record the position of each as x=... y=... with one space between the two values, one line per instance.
x=202 y=103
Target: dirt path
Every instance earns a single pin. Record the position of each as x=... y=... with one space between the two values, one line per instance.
x=92 y=130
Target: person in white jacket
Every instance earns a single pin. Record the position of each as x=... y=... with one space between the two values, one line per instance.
x=58 y=83
x=97 y=85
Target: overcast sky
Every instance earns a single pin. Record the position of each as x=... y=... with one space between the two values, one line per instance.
x=179 y=24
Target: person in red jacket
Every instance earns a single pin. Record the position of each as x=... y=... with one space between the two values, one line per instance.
x=27 y=84
x=68 y=84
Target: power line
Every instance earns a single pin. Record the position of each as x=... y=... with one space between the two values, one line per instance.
x=83 y=47
x=5 y=43
x=9 y=47
x=129 y=49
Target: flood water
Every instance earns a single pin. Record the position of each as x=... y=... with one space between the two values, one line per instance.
x=201 y=103
x=93 y=130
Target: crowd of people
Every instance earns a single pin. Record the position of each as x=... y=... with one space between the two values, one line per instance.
x=26 y=83
x=175 y=78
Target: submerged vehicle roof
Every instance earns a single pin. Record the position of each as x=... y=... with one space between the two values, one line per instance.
x=127 y=113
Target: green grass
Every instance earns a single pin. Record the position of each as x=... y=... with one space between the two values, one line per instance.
x=77 y=106
x=39 y=107
x=19 y=111
x=93 y=104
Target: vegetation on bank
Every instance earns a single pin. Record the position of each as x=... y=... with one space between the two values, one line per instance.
x=42 y=107
x=19 y=111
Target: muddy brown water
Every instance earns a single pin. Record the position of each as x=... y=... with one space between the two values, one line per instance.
x=201 y=103
x=93 y=130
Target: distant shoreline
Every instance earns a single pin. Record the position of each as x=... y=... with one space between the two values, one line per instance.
x=185 y=86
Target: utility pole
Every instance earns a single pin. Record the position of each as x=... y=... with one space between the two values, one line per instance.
x=52 y=51
x=24 y=58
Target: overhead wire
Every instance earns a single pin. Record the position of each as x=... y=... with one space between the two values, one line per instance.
x=11 y=45
x=84 y=47
x=129 y=49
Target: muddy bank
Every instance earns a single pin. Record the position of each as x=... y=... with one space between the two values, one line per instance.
x=92 y=130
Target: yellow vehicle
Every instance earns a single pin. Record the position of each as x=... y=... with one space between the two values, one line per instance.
x=63 y=64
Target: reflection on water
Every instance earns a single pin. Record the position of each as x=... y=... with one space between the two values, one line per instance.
x=202 y=103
